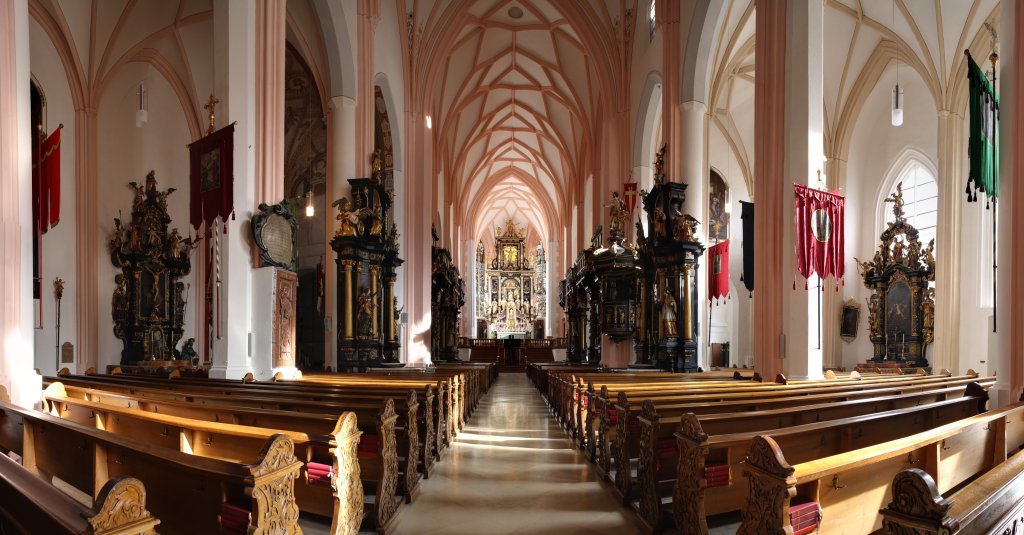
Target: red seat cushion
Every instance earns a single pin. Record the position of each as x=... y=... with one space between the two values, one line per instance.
x=368 y=445
x=234 y=519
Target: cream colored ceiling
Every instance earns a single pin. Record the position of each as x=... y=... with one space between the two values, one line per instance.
x=928 y=34
x=515 y=108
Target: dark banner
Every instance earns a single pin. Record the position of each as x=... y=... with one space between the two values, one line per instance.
x=747 y=215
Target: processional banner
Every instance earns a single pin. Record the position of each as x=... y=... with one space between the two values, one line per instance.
x=983 y=146
x=820 y=217
x=212 y=178
x=747 y=215
x=629 y=192
x=718 y=273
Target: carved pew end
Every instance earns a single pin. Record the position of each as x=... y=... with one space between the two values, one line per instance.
x=248 y=378
x=781 y=379
x=91 y=370
x=916 y=502
x=121 y=509
x=830 y=375
x=757 y=378
x=855 y=375
x=64 y=372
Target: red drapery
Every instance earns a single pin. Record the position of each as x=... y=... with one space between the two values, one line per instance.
x=46 y=183
x=820 y=217
x=718 y=271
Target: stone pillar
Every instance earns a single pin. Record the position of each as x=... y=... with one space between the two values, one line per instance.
x=553 y=312
x=694 y=163
x=951 y=180
x=16 y=335
x=416 y=231
x=788 y=131
x=832 y=300
x=269 y=97
x=469 y=275
x=667 y=17
x=235 y=39
x=368 y=12
x=87 y=238
x=342 y=119
x=1009 y=348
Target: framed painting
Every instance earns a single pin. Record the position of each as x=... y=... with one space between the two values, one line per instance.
x=849 y=321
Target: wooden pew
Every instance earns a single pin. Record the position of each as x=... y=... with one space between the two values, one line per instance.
x=427 y=421
x=256 y=495
x=374 y=464
x=993 y=503
x=30 y=505
x=618 y=445
x=846 y=489
x=694 y=466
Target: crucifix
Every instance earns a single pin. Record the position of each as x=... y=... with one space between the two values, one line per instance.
x=210 y=105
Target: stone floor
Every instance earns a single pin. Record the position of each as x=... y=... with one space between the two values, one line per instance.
x=513 y=470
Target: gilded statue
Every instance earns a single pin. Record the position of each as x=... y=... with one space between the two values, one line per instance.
x=117 y=242
x=874 y=307
x=364 y=311
x=348 y=220
x=134 y=240
x=375 y=164
x=396 y=317
x=668 y=313
x=659 y=165
x=119 y=302
x=140 y=194
x=897 y=202
x=928 y=313
x=175 y=244
x=685 y=228
x=659 y=222
x=929 y=255
x=619 y=215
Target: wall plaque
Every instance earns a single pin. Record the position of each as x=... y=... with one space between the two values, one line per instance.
x=273 y=230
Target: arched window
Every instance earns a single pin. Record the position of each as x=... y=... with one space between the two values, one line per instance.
x=920 y=199
x=650 y=19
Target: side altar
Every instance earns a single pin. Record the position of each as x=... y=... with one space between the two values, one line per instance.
x=148 y=304
x=901 y=307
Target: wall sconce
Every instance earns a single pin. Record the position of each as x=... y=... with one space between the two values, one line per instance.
x=141 y=116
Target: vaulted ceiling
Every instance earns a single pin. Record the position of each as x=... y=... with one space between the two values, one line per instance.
x=516 y=106
x=862 y=38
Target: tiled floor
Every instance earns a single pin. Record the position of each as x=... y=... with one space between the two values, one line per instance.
x=513 y=470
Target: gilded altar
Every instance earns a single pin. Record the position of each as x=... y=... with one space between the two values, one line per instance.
x=901 y=308
x=148 y=304
x=510 y=290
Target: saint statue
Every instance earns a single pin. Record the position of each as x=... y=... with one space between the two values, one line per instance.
x=668 y=313
x=175 y=244
x=364 y=311
x=619 y=215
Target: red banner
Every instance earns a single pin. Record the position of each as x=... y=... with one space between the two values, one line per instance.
x=820 y=217
x=718 y=271
x=46 y=183
x=212 y=178
x=630 y=194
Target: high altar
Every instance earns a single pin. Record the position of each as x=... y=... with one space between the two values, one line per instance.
x=510 y=290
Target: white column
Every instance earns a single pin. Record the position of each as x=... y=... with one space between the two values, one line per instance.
x=235 y=38
x=554 y=276
x=16 y=335
x=945 y=353
x=1008 y=318
x=694 y=164
x=343 y=167
x=804 y=145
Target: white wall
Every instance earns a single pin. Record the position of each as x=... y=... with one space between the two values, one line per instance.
x=49 y=73
x=874 y=147
x=127 y=153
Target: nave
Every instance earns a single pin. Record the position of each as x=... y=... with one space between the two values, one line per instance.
x=514 y=470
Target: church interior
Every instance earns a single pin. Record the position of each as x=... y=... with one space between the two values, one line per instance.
x=511 y=266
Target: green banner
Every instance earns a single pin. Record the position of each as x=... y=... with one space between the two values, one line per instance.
x=983 y=146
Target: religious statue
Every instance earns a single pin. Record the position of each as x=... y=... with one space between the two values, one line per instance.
x=179 y=299
x=140 y=194
x=874 y=306
x=153 y=237
x=134 y=240
x=862 y=267
x=659 y=165
x=117 y=241
x=375 y=164
x=348 y=220
x=188 y=351
x=397 y=317
x=928 y=313
x=285 y=308
x=175 y=244
x=372 y=216
x=897 y=202
x=685 y=228
x=668 y=313
x=619 y=216
x=119 y=302
x=929 y=255
x=494 y=309
x=364 y=311
x=659 y=222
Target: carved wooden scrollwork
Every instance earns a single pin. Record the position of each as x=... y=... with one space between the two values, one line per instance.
x=347 y=485
x=688 y=494
x=428 y=430
x=121 y=508
x=916 y=503
x=623 y=472
x=412 y=474
x=647 y=468
x=274 y=510
x=387 y=488
x=770 y=489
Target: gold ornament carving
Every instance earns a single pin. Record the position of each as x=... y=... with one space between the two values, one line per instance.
x=274 y=510
x=347 y=485
x=121 y=509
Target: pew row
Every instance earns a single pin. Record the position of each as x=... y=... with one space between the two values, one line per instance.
x=223 y=496
x=689 y=475
x=29 y=505
x=993 y=503
x=366 y=458
x=844 y=490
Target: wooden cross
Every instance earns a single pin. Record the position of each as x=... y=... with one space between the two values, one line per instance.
x=210 y=105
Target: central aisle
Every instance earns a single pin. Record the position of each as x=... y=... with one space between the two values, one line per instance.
x=513 y=470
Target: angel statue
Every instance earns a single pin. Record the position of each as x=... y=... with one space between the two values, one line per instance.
x=347 y=219
x=619 y=215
